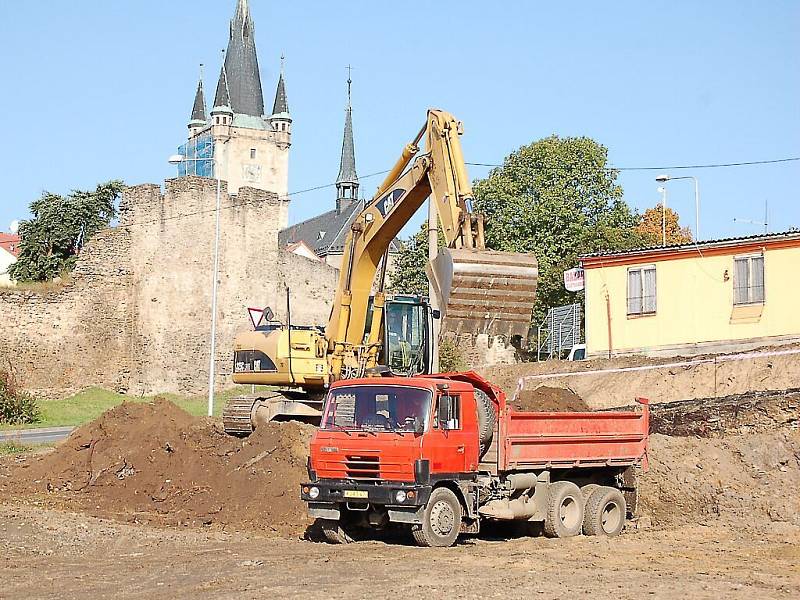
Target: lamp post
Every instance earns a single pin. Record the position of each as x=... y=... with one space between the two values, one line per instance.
x=663 y=192
x=176 y=159
x=665 y=178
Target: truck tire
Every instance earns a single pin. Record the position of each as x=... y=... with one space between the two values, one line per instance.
x=605 y=512
x=587 y=490
x=564 y=517
x=486 y=419
x=334 y=532
x=441 y=520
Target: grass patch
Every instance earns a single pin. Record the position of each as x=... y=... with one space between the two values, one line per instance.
x=12 y=448
x=89 y=404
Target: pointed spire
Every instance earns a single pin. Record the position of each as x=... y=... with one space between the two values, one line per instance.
x=347 y=166
x=280 y=105
x=243 y=87
x=199 y=114
x=222 y=99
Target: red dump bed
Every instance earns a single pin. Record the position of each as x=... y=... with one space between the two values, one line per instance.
x=539 y=440
x=546 y=440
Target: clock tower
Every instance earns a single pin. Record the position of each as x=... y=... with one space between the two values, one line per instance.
x=240 y=141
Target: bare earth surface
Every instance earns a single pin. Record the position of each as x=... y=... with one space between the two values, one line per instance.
x=149 y=502
x=49 y=554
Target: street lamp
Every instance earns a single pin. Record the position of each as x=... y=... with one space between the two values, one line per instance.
x=665 y=178
x=176 y=159
x=663 y=191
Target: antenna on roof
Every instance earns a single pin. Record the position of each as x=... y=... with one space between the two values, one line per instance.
x=765 y=223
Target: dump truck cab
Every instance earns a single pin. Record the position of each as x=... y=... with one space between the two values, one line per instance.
x=385 y=442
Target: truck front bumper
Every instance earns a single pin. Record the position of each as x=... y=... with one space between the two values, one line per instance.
x=332 y=496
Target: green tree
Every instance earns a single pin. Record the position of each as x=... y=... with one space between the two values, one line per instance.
x=557 y=198
x=61 y=225
x=408 y=272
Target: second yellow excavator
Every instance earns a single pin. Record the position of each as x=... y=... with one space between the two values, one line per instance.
x=478 y=290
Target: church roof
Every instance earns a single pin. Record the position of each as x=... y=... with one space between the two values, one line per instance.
x=222 y=97
x=347 y=165
x=281 y=105
x=199 y=108
x=326 y=233
x=243 y=90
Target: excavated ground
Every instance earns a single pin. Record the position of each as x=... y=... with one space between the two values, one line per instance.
x=148 y=501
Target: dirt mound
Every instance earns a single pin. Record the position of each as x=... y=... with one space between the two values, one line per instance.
x=746 y=477
x=549 y=399
x=607 y=387
x=156 y=463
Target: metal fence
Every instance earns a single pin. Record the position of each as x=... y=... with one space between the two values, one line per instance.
x=559 y=331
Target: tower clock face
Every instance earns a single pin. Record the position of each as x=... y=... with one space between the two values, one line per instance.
x=251 y=173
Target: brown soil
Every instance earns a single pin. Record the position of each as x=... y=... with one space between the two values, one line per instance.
x=725 y=511
x=156 y=463
x=549 y=399
x=607 y=390
x=746 y=478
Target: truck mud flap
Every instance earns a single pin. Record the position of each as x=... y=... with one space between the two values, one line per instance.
x=410 y=515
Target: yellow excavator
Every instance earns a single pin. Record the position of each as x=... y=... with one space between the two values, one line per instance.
x=477 y=290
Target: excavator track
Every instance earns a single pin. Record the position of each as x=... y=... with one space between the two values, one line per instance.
x=242 y=414
x=237 y=416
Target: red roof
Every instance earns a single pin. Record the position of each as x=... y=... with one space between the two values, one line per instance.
x=10 y=242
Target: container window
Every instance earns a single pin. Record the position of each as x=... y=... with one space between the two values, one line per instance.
x=642 y=290
x=748 y=279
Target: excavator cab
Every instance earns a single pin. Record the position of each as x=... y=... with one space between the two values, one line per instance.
x=408 y=329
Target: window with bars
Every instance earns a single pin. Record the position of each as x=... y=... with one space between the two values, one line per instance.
x=748 y=279
x=642 y=290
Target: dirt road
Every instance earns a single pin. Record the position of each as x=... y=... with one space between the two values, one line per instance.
x=52 y=555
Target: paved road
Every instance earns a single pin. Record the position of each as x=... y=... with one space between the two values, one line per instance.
x=47 y=435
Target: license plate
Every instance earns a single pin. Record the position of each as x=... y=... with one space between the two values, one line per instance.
x=355 y=494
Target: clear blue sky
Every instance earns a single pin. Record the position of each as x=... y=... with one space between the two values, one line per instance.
x=94 y=90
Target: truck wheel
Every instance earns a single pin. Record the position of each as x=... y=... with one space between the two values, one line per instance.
x=564 y=510
x=605 y=512
x=334 y=532
x=588 y=489
x=441 y=520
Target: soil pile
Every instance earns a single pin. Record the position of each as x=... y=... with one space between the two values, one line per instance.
x=749 y=477
x=549 y=399
x=156 y=463
x=717 y=376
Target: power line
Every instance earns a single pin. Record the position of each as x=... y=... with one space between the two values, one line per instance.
x=376 y=173
x=674 y=167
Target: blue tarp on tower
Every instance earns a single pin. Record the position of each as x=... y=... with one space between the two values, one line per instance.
x=199 y=157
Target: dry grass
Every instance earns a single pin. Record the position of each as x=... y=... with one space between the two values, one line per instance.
x=41 y=287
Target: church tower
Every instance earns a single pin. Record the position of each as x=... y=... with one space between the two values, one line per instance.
x=250 y=147
x=347 y=181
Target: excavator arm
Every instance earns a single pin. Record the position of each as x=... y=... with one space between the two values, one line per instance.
x=479 y=291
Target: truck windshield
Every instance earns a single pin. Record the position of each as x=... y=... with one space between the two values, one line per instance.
x=376 y=408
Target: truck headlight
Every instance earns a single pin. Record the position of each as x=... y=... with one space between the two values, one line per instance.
x=313 y=493
x=400 y=496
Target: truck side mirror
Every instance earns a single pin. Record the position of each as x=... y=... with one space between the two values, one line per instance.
x=445 y=411
x=436 y=313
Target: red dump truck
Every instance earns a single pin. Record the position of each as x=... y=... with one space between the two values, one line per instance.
x=441 y=454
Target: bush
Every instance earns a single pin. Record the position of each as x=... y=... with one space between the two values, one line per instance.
x=16 y=406
x=450 y=357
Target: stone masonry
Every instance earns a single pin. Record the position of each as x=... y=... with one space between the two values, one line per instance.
x=135 y=314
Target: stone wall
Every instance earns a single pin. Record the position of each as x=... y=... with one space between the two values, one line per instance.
x=135 y=315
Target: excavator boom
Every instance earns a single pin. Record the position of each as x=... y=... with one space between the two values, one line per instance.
x=479 y=291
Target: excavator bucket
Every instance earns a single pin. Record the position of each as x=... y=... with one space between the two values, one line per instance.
x=484 y=291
